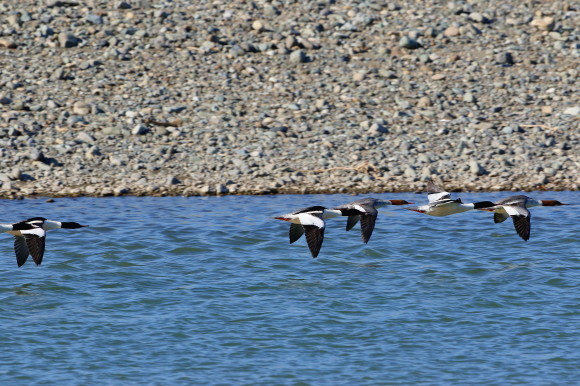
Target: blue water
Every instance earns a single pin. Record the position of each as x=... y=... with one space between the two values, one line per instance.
x=197 y=290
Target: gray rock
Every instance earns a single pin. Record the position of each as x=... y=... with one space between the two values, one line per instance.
x=572 y=110
x=507 y=130
x=123 y=5
x=297 y=57
x=172 y=180
x=140 y=130
x=468 y=97
x=505 y=58
x=36 y=155
x=81 y=108
x=83 y=136
x=68 y=40
x=407 y=42
x=476 y=169
x=94 y=19
x=221 y=189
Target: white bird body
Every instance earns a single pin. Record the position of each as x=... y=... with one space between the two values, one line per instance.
x=441 y=204
x=309 y=221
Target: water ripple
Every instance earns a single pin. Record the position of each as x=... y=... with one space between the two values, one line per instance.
x=177 y=290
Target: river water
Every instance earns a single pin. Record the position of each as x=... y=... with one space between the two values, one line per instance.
x=207 y=290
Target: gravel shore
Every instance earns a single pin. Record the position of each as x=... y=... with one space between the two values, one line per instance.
x=204 y=97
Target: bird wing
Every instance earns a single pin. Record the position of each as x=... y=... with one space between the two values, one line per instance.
x=21 y=250
x=367 y=225
x=296 y=231
x=35 y=241
x=521 y=217
x=436 y=193
x=313 y=226
x=351 y=221
x=314 y=238
x=500 y=215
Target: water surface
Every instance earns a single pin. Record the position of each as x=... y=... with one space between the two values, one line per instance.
x=180 y=290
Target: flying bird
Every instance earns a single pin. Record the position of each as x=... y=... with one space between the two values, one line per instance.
x=309 y=221
x=365 y=210
x=516 y=207
x=441 y=204
x=30 y=236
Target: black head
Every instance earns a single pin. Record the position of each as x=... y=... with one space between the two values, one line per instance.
x=483 y=204
x=72 y=225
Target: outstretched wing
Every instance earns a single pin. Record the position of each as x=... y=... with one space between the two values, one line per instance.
x=367 y=225
x=351 y=221
x=313 y=226
x=436 y=193
x=521 y=217
x=21 y=250
x=500 y=216
x=35 y=241
x=314 y=238
x=296 y=231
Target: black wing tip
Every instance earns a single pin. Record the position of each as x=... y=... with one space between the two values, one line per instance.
x=522 y=226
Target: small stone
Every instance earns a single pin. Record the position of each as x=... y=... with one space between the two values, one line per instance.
x=479 y=18
x=359 y=76
x=81 y=108
x=7 y=43
x=438 y=77
x=258 y=26
x=61 y=3
x=206 y=189
x=572 y=110
x=468 y=97
x=547 y=110
x=507 y=130
x=93 y=152
x=58 y=74
x=94 y=19
x=68 y=40
x=484 y=126
x=544 y=24
x=504 y=58
x=270 y=10
x=424 y=102
x=451 y=31
x=36 y=155
x=410 y=172
x=140 y=130
x=123 y=5
x=172 y=180
x=476 y=169
x=221 y=189
x=297 y=57
x=407 y=42
x=377 y=128
x=83 y=136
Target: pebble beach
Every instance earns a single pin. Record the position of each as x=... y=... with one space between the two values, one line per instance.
x=103 y=98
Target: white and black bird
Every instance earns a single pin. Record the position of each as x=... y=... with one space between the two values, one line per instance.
x=441 y=204
x=309 y=221
x=365 y=211
x=30 y=236
x=516 y=207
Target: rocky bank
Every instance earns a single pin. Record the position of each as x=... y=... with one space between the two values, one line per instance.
x=205 y=97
